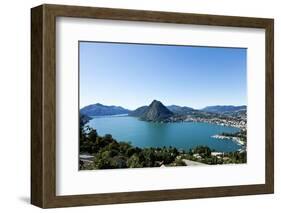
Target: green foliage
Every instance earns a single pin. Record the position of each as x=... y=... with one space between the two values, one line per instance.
x=134 y=162
x=204 y=151
x=179 y=162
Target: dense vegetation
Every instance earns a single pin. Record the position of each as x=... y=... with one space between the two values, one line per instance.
x=109 y=154
x=204 y=155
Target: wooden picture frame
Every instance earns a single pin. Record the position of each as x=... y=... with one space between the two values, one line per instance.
x=43 y=105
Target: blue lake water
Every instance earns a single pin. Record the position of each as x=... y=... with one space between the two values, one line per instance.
x=182 y=135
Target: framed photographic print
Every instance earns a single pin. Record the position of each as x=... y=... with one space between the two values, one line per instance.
x=136 y=106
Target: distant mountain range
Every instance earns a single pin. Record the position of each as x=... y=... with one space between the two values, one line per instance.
x=156 y=111
x=224 y=109
x=180 y=110
x=139 y=111
x=101 y=110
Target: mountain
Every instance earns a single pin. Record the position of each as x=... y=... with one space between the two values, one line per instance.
x=138 y=112
x=156 y=111
x=83 y=119
x=100 y=110
x=239 y=113
x=180 y=110
x=221 y=109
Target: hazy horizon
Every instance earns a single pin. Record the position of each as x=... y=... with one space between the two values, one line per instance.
x=133 y=75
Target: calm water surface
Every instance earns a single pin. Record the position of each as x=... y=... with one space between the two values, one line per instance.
x=182 y=135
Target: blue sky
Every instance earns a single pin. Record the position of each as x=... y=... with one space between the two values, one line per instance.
x=133 y=75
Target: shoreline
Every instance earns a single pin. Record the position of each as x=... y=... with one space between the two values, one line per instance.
x=191 y=120
x=234 y=139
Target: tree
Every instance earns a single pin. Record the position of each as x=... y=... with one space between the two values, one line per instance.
x=134 y=162
x=203 y=151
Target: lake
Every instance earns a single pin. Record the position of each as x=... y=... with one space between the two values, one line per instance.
x=182 y=135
